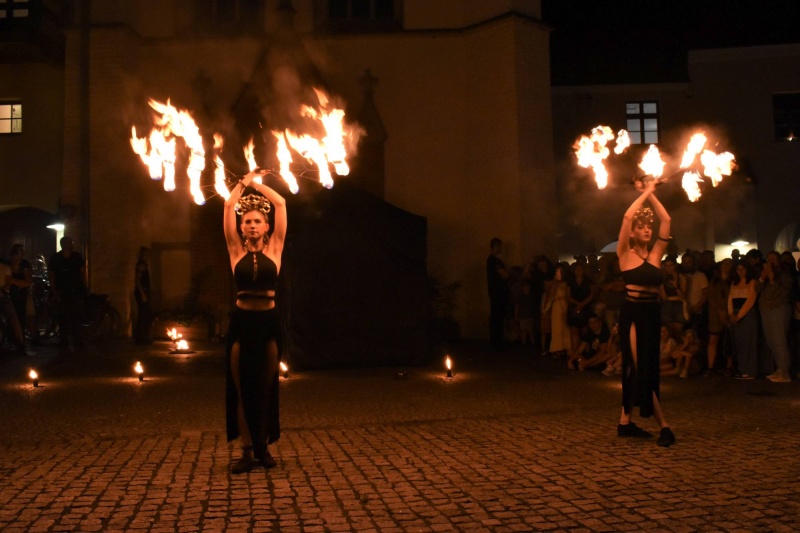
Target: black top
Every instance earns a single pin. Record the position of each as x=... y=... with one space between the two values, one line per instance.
x=255 y=272
x=67 y=272
x=144 y=275
x=645 y=275
x=498 y=287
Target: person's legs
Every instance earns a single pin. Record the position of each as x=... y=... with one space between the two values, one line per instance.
x=246 y=462
x=270 y=380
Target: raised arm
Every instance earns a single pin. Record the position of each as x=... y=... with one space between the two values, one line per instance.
x=623 y=240
x=279 y=225
x=229 y=216
x=660 y=246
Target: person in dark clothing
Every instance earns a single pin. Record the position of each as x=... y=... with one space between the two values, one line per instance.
x=142 y=333
x=497 y=279
x=67 y=271
x=253 y=347
x=639 y=320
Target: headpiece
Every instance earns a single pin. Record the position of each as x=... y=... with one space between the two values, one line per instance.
x=644 y=215
x=253 y=202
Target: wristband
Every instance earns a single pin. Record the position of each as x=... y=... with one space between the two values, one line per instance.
x=660 y=238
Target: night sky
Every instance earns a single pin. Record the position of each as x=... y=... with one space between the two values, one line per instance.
x=646 y=41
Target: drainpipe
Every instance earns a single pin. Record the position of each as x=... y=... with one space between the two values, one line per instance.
x=85 y=129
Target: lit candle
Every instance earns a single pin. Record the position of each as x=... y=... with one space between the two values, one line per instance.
x=139 y=370
x=34 y=376
x=285 y=370
x=449 y=364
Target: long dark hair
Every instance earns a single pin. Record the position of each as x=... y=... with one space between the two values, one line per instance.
x=750 y=273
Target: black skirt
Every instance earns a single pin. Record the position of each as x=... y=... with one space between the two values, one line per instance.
x=254 y=331
x=640 y=381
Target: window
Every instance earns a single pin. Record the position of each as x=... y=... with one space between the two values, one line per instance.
x=786 y=116
x=361 y=15
x=229 y=16
x=642 y=122
x=14 y=9
x=10 y=117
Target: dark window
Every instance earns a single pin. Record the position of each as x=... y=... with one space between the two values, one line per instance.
x=361 y=15
x=229 y=16
x=10 y=117
x=643 y=122
x=786 y=116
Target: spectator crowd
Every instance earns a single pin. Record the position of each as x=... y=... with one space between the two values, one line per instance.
x=738 y=316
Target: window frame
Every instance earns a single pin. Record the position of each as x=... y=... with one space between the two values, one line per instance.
x=11 y=103
x=642 y=118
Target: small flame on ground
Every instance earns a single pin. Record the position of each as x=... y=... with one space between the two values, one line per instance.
x=284 y=368
x=182 y=345
x=33 y=375
x=448 y=363
x=138 y=367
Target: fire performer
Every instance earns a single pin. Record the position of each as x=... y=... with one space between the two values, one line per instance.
x=639 y=321
x=254 y=343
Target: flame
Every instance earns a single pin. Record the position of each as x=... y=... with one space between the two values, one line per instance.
x=285 y=160
x=158 y=149
x=182 y=345
x=592 y=151
x=284 y=368
x=173 y=334
x=717 y=165
x=448 y=363
x=623 y=142
x=652 y=163
x=138 y=368
x=695 y=146
x=690 y=184
x=33 y=375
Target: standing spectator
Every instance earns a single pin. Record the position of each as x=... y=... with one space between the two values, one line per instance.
x=673 y=298
x=696 y=299
x=612 y=292
x=718 y=318
x=67 y=271
x=581 y=296
x=523 y=314
x=497 y=280
x=142 y=333
x=556 y=303
x=7 y=309
x=20 y=291
x=539 y=273
x=741 y=303
x=774 y=305
x=794 y=327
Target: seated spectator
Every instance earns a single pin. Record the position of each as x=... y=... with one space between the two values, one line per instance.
x=614 y=365
x=668 y=346
x=686 y=352
x=592 y=352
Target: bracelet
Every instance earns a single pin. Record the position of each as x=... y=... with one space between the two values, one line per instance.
x=660 y=238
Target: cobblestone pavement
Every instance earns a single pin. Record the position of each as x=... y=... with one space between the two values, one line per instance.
x=513 y=442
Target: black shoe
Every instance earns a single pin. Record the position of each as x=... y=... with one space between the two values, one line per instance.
x=244 y=464
x=266 y=460
x=666 y=438
x=632 y=430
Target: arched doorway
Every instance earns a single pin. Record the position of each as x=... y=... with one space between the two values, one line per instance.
x=788 y=239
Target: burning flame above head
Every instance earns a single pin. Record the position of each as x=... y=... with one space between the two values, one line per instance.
x=448 y=363
x=695 y=146
x=138 y=368
x=33 y=375
x=652 y=163
x=173 y=334
x=690 y=184
x=158 y=149
x=591 y=151
x=717 y=165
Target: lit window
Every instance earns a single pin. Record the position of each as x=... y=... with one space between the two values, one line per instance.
x=786 y=116
x=362 y=15
x=10 y=117
x=18 y=9
x=642 y=122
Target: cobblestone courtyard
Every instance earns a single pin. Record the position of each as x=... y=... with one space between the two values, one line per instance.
x=513 y=442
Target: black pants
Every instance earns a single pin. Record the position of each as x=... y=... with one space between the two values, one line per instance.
x=142 y=331
x=70 y=317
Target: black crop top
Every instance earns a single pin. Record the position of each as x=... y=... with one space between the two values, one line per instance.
x=645 y=275
x=255 y=272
